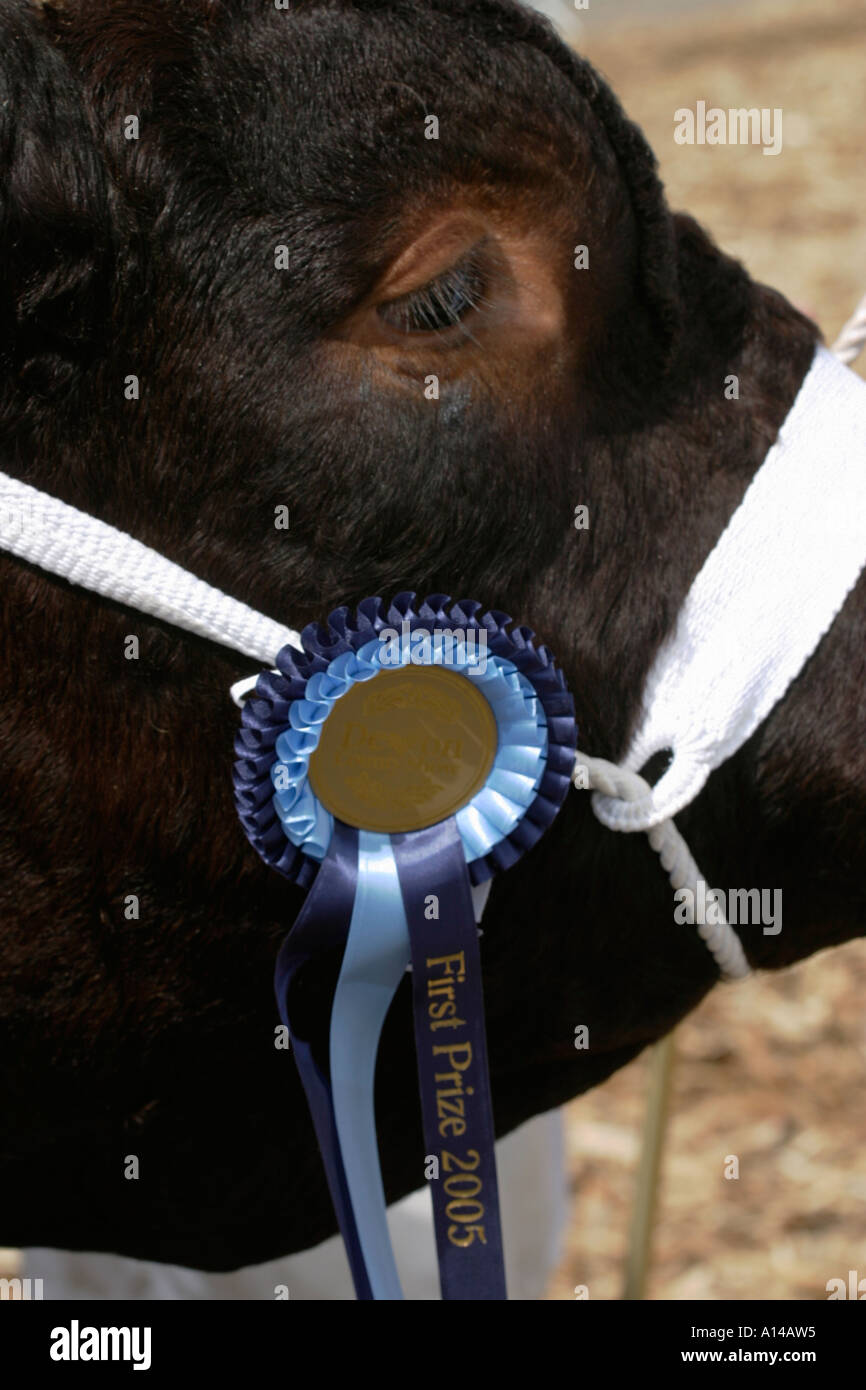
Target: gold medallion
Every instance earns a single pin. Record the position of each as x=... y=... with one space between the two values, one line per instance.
x=404 y=750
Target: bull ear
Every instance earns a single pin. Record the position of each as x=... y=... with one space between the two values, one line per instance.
x=55 y=240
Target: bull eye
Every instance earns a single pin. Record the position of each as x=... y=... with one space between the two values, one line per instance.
x=440 y=305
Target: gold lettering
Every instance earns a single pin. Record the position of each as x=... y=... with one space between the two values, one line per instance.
x=450 y=1076
x=455 y=1126
x=467 y=1235
x=452 y=1051
x=445 y=987
x=446 y=961
x=445 y=1010
x=449 y=1107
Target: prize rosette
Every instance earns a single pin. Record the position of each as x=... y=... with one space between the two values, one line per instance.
x=397 y=762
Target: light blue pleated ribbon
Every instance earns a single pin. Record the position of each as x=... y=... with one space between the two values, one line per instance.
x=495 y=810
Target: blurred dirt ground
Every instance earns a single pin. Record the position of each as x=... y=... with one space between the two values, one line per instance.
x=773 y=1070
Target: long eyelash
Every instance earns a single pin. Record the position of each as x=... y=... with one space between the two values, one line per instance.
x=441 y=305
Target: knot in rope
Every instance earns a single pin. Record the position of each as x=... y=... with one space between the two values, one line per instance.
x=607 y=779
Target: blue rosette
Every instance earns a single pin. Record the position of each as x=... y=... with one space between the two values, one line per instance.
x=369 y=893
x=266 y=718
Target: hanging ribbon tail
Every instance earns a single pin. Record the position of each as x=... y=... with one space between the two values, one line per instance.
x=323 y=924
x=374 y=964
x=452 y=1060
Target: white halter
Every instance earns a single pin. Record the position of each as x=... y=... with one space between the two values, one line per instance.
x=766 y=595
x=764 y=598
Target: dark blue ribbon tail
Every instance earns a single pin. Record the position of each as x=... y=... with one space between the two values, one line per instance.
x=323 y=924
x=452 y=1060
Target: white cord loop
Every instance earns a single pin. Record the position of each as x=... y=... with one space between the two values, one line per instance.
x=607 y=779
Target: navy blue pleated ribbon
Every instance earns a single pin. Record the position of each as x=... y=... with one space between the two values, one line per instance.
x=452 y=1060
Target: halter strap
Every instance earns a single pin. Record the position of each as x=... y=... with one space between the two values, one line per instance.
x=90 y=553
x=766 y=595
